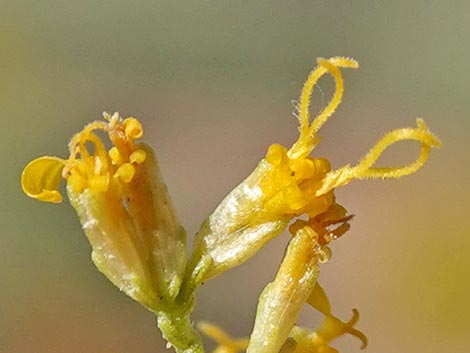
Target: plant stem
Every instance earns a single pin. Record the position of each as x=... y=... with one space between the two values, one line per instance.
x=179 y=332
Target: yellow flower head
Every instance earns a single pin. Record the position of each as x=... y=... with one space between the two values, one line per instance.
x=289 y=183
x=123 y=205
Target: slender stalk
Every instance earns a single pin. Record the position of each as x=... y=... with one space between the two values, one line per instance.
x=179 y=332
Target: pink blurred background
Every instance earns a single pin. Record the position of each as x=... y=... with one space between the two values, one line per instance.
x=213 y=83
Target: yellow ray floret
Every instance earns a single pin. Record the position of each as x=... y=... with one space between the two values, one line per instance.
x=85 y=169
x=41 y=179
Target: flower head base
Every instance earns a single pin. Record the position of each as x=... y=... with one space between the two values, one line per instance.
x=123 y=205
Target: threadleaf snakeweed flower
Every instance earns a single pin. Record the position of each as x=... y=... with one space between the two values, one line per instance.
x=138 y=243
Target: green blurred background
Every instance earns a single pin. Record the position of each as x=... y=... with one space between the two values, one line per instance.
x=213 y=82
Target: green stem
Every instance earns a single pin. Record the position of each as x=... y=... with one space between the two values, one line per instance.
x=179 y=332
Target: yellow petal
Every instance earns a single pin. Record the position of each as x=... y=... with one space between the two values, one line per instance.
x=41 y=178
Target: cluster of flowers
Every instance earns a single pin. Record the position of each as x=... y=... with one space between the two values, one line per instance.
x=139 y=244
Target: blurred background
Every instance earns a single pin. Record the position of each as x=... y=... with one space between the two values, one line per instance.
x=213 y=83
